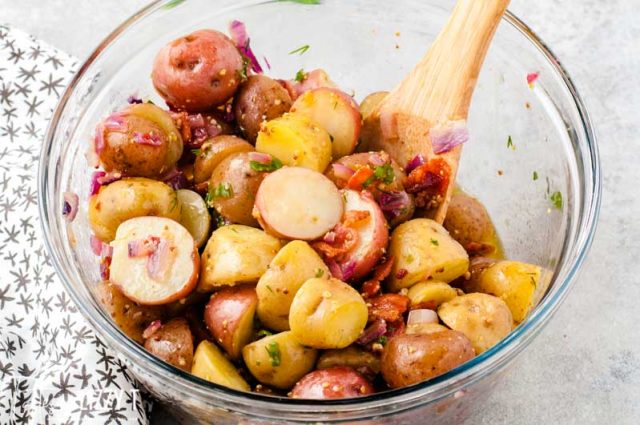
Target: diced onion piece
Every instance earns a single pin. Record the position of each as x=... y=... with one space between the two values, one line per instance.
x=373 y=332
x=262 y=158
x=151 y=329
x=342 y=171
x=446 y=137
x=417 y=161
x=70 y=206
x=422 y=316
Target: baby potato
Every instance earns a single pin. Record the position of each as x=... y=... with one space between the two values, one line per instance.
x=129 y=198
x=468 y=221
x=296 y=141
x=211 y=365
x=411 y=358
x=424 y=250
x=229 y=317
x=213 y=152
x=332 y=383
x=236 y=254
x=430 y=294
x=336 y=112
x=294 y=264
x=194 y=215
x=356 y=358
x=173 y=343
x=279 y=360
x=233 y=187
x=259 y=99
x=518 y=284
x=370 y=120
x=327 y=313
x=310 y=80
x=483 y=318
x=371 y=102
x=424 y=328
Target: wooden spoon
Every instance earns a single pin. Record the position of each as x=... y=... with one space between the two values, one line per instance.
x=437 y=92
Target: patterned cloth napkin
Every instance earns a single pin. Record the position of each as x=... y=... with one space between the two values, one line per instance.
x=53 y=368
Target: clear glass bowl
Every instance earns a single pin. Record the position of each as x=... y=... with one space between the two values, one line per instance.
x=366 y=45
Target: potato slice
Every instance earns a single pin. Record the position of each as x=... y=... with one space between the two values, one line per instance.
x=296 y=141
x=294 y=264
x=336 y=112
x=327 y=313
x=236 y=254
x=166 y=272
x=194 y=216
x=297 y=203
x=333 y=383
x=483 y=318
x=279 y=360
x=210 y=364
x=430 y=294
x=229 y=317
x=518 y=284
x=424 y=250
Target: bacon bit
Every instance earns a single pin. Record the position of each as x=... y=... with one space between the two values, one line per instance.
x=105 y=261
x=151 y=329
x=150 y=139
x=531 y=78
x=344 y=240
x=400 y=274
x=429 y=183
x=389 y=307
x=357 y=180
x=373 y=332
x=395 y=328
x=475 y=249
x=371 y=287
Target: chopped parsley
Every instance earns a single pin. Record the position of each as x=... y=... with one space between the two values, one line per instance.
x=556 y=200
x=223 y=190
x=273 y=349
x=435 y=242
x=510 y=144
x=319 y=273
x=196 y=152
x=172 y=4
x=243 y=72
x=300 y=50
x=535 y=175
x=369 y=181
x=301 y=75
x=274 y=165
x=382 y=340
x=409 y=259
x=384 y=173
x=269 y=288
x=264 y=333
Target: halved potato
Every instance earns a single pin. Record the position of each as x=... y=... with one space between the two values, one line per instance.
x=194 y=215
x=155 y=260
x=213 y=152
x=430 y=294
x=210 y=364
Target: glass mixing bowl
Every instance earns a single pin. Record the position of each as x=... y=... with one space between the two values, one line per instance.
x=365 y=45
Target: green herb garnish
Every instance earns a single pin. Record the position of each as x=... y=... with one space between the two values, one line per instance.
x=243 y=73
x=172 y=4
x=273 y=349
x=382 y=340
x=274 y=165
x=319 y=273
x=300 y=50
x=384 y=173
x=435 y=242
x=196 y=152
x=263 y=333
x=369 y=181
x=301 y=75
x=223 y=190
x=269 y=288
x=535 y=175
x=510 y=144
x=556 y=200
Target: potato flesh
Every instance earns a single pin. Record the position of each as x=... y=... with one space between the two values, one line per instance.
x=327 y=313
x=297 y=203
x=483 y=318
x=353 y=357
x=211 y=365
x=236 y=254
x=214 y=152
x=431 y=294
x=296 y=141
x=424 y=250
x=294 y=264
x=194 y=215
x=279 y=360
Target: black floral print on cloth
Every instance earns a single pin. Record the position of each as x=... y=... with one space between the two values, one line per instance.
x=53 y=368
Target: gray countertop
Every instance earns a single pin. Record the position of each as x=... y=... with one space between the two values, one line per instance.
x=585 y=367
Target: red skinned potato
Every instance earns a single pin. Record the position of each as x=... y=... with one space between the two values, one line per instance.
x=229 y=317
x=172 y=342
x=297 y=203
x=336 y=112
x=155 y=260
x=332 y=383
x=198 y=72
x=307 y=81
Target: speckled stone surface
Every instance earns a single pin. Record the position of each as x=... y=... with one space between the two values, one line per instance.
x=585 y=367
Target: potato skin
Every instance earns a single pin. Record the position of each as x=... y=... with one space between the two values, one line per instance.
x=483 y=318
x=288 y=362
x=235 y=172
x=129 y=198
x=327 y=313
x=213 y=152
x=294 y=264
x=363 y=362
x=173 y=343
x=468 y=221
x=332 y=383
x=259 y=99
x=411 y=358
x=236 y=254
x=210 y=364
x=197 y=72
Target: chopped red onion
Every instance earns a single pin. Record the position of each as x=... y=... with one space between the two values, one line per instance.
x=132 y=100
x=262 y=158
x=147 y=139
x=335 y=269
x=96 y=245
x=342 y=171
x=143 y=247
x=446 y=137
x=373 y=332
x=393 y=203
x=329 y=237
x=417 y=161
x=176 y=179
x=196 y=120
x=105 y=260
x=158 y=263
x=377 y=160
x=70 y=206
x=151 y=329
x=98 y=140
x=422 y=315
x=239 y=36
x=266 y=61
x=94 y=188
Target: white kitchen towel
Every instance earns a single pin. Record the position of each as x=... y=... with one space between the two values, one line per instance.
x=53 y=368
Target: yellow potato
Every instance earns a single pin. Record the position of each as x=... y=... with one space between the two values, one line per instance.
x=294 y=264
x=195 y=216
x=424 y=250
x=353 y=357
x=279 y=360
x=129 y=198
x=236 y=254
x=210 y=364
x=518 y=284
x=327 y=313
x=296 y=141
x=430 y=294
x=484 y=319
x=424 y=328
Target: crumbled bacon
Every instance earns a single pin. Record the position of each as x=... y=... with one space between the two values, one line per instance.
x=395 y=328
x=475 y=249
x=429 y=183
x=344 y=239
x=371 y=287
x=354 y=217
x=400 y=274
x=389 y=307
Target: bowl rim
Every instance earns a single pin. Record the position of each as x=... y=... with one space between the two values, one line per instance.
x=435 y=389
